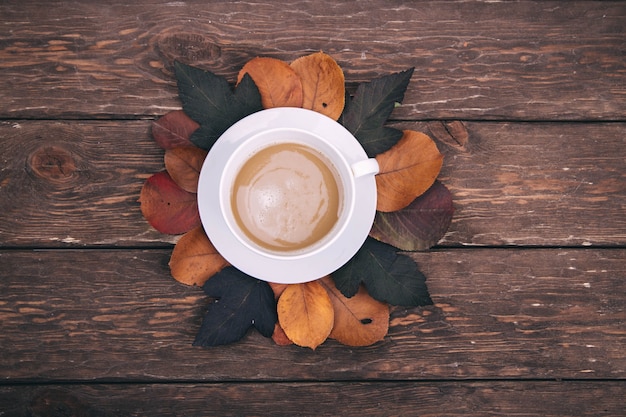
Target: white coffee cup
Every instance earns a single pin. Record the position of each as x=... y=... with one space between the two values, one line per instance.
x=354 y=172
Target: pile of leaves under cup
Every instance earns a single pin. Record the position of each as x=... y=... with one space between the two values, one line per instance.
x=352 y=304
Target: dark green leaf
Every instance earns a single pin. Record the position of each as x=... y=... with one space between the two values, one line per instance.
x=388 y=276
x=371 y=106
x=418 y=226
x=240 y=302
x=209 y=100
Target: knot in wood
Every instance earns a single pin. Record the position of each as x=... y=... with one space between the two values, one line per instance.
x=56 y=402
x=452 y=133
x=189 y=48
x=53 y=163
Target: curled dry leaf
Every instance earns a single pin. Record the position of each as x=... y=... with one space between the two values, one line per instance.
x=407 y=170
x=359 y=320
x=278 y=83
x=173 y=129
x=194 y=258
x=305 y=313
x=323 y=84
x=167 y=207
x=184 y=164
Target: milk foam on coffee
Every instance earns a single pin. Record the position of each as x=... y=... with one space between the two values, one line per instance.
x=286 y=197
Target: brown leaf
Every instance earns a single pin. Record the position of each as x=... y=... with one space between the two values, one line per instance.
x=418 y=226
x=305 y=313
x=194 y=258
x=279 y=337
x=184 y=163
x=278 y=83
x=277 y=288
x=173 y=129
x=407 y=170
x=323 y=84
x=167 y=207
x=359 y=320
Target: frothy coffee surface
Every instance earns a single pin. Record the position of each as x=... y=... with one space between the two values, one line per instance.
x=286 y=197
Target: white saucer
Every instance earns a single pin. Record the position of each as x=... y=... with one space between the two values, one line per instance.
x=285 y=269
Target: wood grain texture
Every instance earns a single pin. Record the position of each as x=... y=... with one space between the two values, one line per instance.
x=474 y=59
x=527 y=102
x=95 y=315
x=388 y=399
x=77 y=183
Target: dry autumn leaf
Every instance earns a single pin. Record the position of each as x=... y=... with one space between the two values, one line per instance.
x=173 y=129
x=277 y=288
x=194 y=258
x=359 y=320
x=184 y=164
x=305 y=313
x=407 y=170
x=278 y=83
x=279 y=337
x=418 y=226
x=323 y=84
x=167 y=207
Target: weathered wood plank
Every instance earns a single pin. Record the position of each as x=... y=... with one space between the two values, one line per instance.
x=441 y=399
x=82 y=315
x=77 y=183
x=474 y=59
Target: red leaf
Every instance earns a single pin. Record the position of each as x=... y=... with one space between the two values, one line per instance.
x=174 y=129
x=167 y=207
x=418 y=226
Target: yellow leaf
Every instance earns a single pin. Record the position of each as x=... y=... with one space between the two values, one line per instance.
x=305 y=313
x=194 y=258
x=278 y=83
x=407 y=170
x=323 y=84
x=359 y=320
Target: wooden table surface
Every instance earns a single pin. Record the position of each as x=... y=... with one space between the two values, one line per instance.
x=527 y=102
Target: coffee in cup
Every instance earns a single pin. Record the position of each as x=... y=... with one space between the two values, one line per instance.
x=286 y=197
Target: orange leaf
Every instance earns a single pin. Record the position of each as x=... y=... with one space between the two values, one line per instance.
x=167 y=207
x=305 y=313
x=323 y=84
x=407 y=170
x=359 y=320
x=194 y=258
x=278 y=84
x=184 y=164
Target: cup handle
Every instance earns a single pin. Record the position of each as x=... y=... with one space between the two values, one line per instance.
x=365 y=167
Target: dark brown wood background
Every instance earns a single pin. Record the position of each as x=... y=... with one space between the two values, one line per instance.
x=527 y=101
